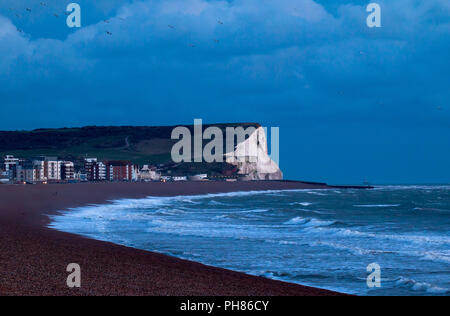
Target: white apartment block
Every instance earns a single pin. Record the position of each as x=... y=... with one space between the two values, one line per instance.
x=39 y=167
x=10 y=161
x=101 y=171
x=53 y=170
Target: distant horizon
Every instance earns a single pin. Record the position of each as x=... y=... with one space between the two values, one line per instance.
x=120 y=125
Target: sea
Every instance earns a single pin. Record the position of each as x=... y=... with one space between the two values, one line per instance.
x=322 y=238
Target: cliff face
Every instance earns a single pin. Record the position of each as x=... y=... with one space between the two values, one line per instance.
x=251 y=157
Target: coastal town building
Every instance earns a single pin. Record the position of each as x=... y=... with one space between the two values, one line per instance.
x=67 y=170
x=26 y=173
x=10 y=162
x=135 y=173
x=148 y=173
x=29 y=171
x=101 y=171
x=39 y=167
x=199 y=177
x=90 y=167
x=4 y=176
x=54 y=170
x=118 y=170
x=95 y=170
x=80 y=176
x=166 y=178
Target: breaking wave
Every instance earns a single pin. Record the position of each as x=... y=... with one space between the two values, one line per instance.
x=309 y=222
x=420 y=286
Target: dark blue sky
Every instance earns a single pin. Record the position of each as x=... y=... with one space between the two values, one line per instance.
x=352 y=103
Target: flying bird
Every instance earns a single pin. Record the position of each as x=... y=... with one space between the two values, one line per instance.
x=28 y=9
x=220 y=22
x=108 y=33
x=191 y=45
x=106 y=21
x=171 y=26
x=43 y=4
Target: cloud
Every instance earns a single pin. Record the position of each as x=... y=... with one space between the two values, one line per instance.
x=245 y=47
x=13 y=45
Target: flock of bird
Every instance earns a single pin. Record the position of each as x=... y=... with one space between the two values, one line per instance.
x=19 y=14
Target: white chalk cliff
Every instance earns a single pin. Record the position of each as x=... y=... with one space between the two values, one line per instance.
x=252 y=158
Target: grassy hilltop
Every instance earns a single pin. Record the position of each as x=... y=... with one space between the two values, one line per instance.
x=138 y=144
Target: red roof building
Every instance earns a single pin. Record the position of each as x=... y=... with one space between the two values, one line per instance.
x=118 y=170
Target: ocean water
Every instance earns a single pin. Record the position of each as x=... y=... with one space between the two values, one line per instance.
x=321 y=238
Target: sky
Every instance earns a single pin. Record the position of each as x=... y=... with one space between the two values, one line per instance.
x=353 y=103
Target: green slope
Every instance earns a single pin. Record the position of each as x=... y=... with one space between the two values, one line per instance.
x=138 y=144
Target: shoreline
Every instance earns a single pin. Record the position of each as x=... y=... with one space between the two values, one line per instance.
x=34 y=257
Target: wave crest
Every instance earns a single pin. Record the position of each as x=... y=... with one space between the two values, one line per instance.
x=416 y=286
x=309 y=222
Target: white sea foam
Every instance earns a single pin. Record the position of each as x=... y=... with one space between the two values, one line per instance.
x=429 y=209
x=220 y=229
x=378 y=205
x=255 y=211
x=437 y=256
x=353 y=249
x=302 y=203
x=309 y=222
x=284 y=242
x=171 y=212
x=235 y=194
x=316 y=193
x=213 y=202
x=420 y=286
x=297 y=220
x=287 y=242
x=419 y=239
